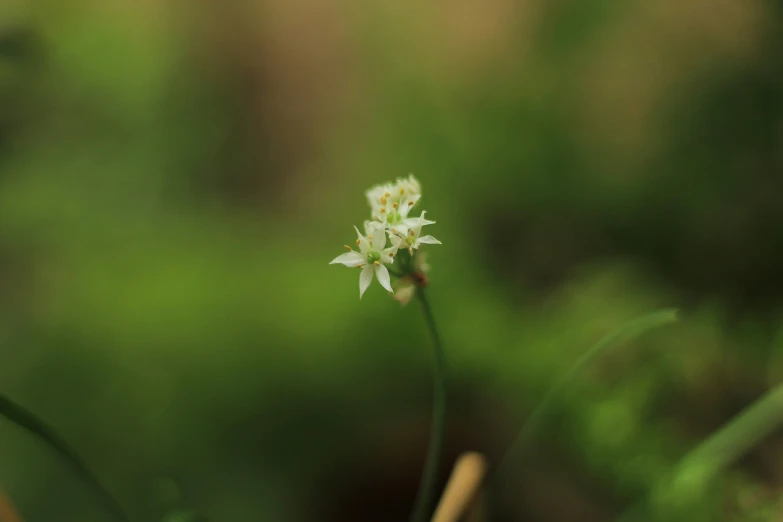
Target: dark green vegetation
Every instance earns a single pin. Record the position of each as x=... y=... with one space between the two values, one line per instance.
x=174 y=180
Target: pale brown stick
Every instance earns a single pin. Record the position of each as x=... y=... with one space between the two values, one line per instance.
x=8 y=512
x=462 y=487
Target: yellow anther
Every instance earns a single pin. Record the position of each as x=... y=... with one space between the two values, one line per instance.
x=383 y=200
x=410 y=203
x=411 y=233
x=402 y=191
x=358 y=241
x=349 y=249
x=387 y=195
x=383 y=210
x=369 y=236
x=360 y=265
x=377 y=263
x=391 y=254
x=394 y=231
x=395 y=205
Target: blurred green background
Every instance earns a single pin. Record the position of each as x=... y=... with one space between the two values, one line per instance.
x=176 y=175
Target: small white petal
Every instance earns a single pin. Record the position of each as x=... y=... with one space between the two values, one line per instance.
x=407 y=204
x=387 y=255
x=396 y=241
x=349 y=259
x=365 y=278
x=364 y=244
x=414 y=222
x=420 y=223
x=379 y=240
x=429 y=240
x=400 y=230
x=371 y=227
x=414 y=183
x=383 y=277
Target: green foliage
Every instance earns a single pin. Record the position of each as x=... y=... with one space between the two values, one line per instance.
x=171 y=324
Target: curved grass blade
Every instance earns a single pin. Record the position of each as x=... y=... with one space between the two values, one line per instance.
x=625 y=333
x=31 y=423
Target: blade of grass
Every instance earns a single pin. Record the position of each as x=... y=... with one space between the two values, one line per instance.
x=31 y=423
x=625 y=333
x=741 y=433
x=695 y=471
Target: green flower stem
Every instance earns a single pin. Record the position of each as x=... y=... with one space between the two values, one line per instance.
x=28 y=421
x=425 y=498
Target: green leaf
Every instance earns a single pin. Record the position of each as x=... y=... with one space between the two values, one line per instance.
x=31 y=423
x=683 y=491
x=184 y=516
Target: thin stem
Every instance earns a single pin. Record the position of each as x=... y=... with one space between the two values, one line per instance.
x=30 y=422
x=425 y=497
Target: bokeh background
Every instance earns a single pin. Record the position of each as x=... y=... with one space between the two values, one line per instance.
x=176 y=175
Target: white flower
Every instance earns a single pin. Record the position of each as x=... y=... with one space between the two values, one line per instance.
x=403 y=226
x=390 y=203
x=371 y=258
x=412 y=238
x=410 y=184
x=395 y=214
x=387 y=193
x=372 y=227
x=378 y=193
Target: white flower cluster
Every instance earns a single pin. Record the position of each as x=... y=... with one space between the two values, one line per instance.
x=391 y=228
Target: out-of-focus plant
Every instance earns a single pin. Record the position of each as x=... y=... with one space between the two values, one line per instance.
x=31 y=423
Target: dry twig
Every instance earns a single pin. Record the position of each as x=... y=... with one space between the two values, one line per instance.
x=462 y=487
x=8 y=512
